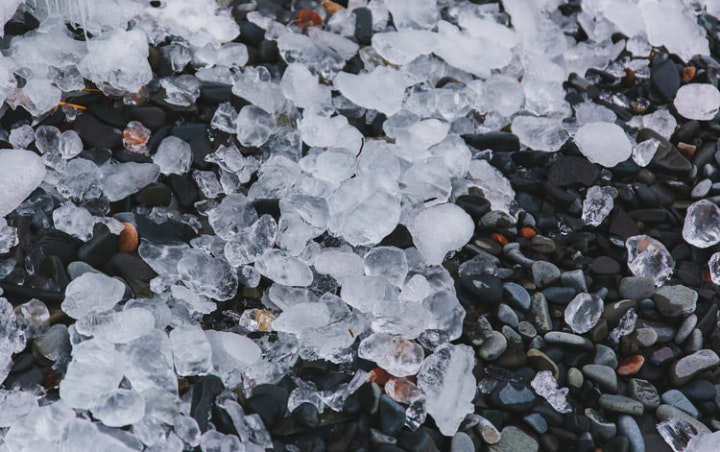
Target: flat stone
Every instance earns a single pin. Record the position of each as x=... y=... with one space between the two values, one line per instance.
x=203 y=398
x=684 y=369
x=513 y=439
x=603 y=375
x=540 y=361
x=540 y=313
x=605 y=265
x=574 y=279
x=621 y=404
x=392 y=416
x=665 y=76
x=461 y=442
x=628 y=427
x=513 y=396
x=699 y=390
x=494 y=346
x=100 y=247
x=675 y=301
x=630 y=365
x=485 y=288
x=636 y=287
x=543 y=244
x=573 y=170
x=667 y=157
x=495 y=141
x=536 y=422
x=571 y=341
x=516 y=296
x=559 y=295
x=678 y=400
x=306 y=415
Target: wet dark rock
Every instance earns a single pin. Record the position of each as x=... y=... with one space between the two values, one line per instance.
x=392 y=415
x=155 y=194
x=98 y=250
x=665 y=76
x=573 y=170
x=203 y=398
x=483 y=288
x=151 y=117
x=95 y=134
x=306 y=415
x=495 y=141
x=513 y=396
x=363 y=24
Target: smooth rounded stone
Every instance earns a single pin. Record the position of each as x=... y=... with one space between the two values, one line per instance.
x=583 y=312
x=605 y=265
x=392 y=415
x=536 y=422
x=495 y=141
x=543 y=244
x=382 y=441
x=507 y=316
x=497 y=219
x=572 y=341
x=540 y=361
x=618 y=444
x=677 y=399
x=621 y=404
x=540 y=313
x=513 y=396
x=476 y=207
x=461 y=442
x=630 y=365
x=494 y=346
x=575 y=279
x=306 y=415
x=684 y=369
x=559 y=295
x=662 y=356
x=485 y=288
x=511 y=335
x=646 y=337
x=685 y=328
x=575 y=378
x=699 y=101
x=600 y=426
x=370 y=397
x=602 y=375
x=665 y=76
x=517 y=296
x=605 y=356
x=628 y=427
x=699 y=390
x=701 y=189
x=155 y=194
x=526 y=329
x=694 y=342
x=664 y=412
x=363 y=24
x=603 y=143
x=544 y=273
x=513 y=439
x=675 y=301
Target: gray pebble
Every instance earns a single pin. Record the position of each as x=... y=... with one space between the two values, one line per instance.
x=540 y=313
x=536 y=422
x=544 y=273
x=675 y=301
x=574 y=279
x=605 y=356
x=685 y=328
x=494 y=346
x=678 y=400
x=684 y=369
x=644 y=392
x=526 y=329
x=516 y=296
x=543 y=244
x=636 y=287
x=629 y=429
x=461 y=442
x=600 y=426
x=513 y=439
x=621 y=404
x=695 y=341
x=603 y=375
x=573 y=341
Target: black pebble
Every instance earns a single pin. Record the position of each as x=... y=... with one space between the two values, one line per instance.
x=203 y=398
x=665 y=76
x=392 y=416
x=495 y=141
x=363 y=25
x=306 y=415
x=96 y=134
x=100 y=247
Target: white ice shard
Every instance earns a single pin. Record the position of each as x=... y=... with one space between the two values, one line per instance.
x=649 y=257
x=434 y=242
x=21 y=172
x=401 y=47
x=386 y=94
x=714 y=267
x=604 y=143
x=173 y=156
x=398 y=356
x=446 y=378
x=91 y=293
x=546 y=386
x=192 y=353
x=540 y=134
x=117 y=327
x=121 y=180
x=699 y=101
x=701 y=227
x=93 y=374
x=209 y=276
x=495 y=186
x=599 y=201
x=284 y=269
x=583 y=312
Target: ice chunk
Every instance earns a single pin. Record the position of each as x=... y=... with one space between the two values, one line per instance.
x=702 y=224
x=70 y=144
x=714 y=267
x=182 y=90
x=389 y=262
x=147 y=374
x=699 y=101
x=398 y=356
x=255 y=86
x=649 y=257
x=496 y=188
x=21 y=172
x=540 y=134
x=163 y=258
x=583 y=312
x=208 y=276
x=446 y=378
x=625 y=326
x=121 y=407
x=401 y=47
x=538 y=33
x=225 y=118
x=121 y=180
x=231 y=353
x=661 y=121
x=679 y=434
x=101 y=62
x=302 y=316
x=604 y=143
x=254 y=126
x=387 y=91
x=234 y=214
x=200 y=22
x=701 y=442
x=173 y=156
x=673 y=25
x=599 y=201
x=366 y=293
x=339 y=264
x=302 y=87
x=15 y=405
x=423 y=14
x=91 y=293
x=433 y=242
x=504 y=94
x=245 y=247
x=312 y=209
x=476 y=55
x=117 y=327
x=192 y=353
x=12 y=337
x=644 y=151
x=284 y=269
x=94 y=373
x=21 y=137
x=546 y=386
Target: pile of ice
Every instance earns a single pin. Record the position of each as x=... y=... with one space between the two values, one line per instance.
x=336 y=291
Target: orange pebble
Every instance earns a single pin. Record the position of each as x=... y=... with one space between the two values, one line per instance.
x=630 y=365
x=331 y=7
x=308 y=18
x=499 y=238
x=128 y=240
x=527 y=232
x=379 y=376
x=688 y=73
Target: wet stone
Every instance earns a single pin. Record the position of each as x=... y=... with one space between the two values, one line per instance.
x=461 y=442
x=512 y=396
x=494 y=346
x=514 y=439
x=559 y=295
x=628 y=427
x=544 y=273
x=483 y=288
x=572 y=170
x=543 y=244
x=675 y=301
x=536 y=422
x=516 y=296
x=392 y=415
x=636 y=288
x=665 y=76
x=602 y=375
x=684 y=369
x=306 y=415
x=621 y=404
x=677 y=399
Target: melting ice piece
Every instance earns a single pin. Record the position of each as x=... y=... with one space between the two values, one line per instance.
x=447 y=379
x=340 y=264
x=117 y=327
x=398 y=356
x=94 y=372
x=604 y=143
x=546 y=386
x=234 y=214
x=703 y=442
x=12 y=338
x=401 y=47
x=173 y=156
x=91 y=293
x=191 y=350
x=302 y=87
x=209 y=276
x=599 y=201
x=73 y=220
x=540 y=134
x=254 y=126
x=302 y=316
x=714 y=266
x=702 y=224
x=423 y=14
x=231 y=353
x=661 y=121
x=389 y=262
x=284 y=269
x=123 y=179
x=583 y=312
x=495 y=186
x=21 y=173
x=387 y=91
x=625 y=326
x=364 y=293
x=699 y=101
x=649 y=257
x=678 y=433
x=225 y=118
x=433 y=242
x=245 y=247
x=121 y=407
x=644 y=152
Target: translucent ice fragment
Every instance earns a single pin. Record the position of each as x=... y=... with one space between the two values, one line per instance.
x=644 y=151
x=625 y=326
x=284 y=269
x=398 y=356
x=123 y=179
x=546 y=386
x=599 y=201
x=173 y=156
x=225 y=118
x=207 y=275
x=121 y=407
x=604 y=143
x=583 y=312
x=192 y=353
x=649 y=257
x=21 y=173
x=254 y=126
x=700 y=101
x=540 y=134
x=245 y=247
x=702 y=224
x=714 y=266
x=678 y=433
x=386 y=94
x=91 y=293
x=434 y=243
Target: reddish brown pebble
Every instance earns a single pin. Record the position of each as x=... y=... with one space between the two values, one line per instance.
x=379 y=376
x=631 y=365
x=308 y=18
x=629 y=78
x=688 y=73
x=527 y=233
x=128 y=241
x=499 y=238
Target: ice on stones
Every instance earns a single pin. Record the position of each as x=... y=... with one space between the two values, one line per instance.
x=121 y=180
x=73 y=220
x=703 y=441
x=254 y=126
x=661 y=121
x=446 y=312
x=599 y=202
x=206 y=275
x=70 y=144
x=433 y=242
x=540 y=133
x=192 y=353
x=643 y=152
x=255 y=86
x=15 y=405
x=398 y=356
x=101 y=62
x=199 y=22
x=91 y=293
x=148 y=374
x=625 y=326
x=21 y=137
x=678 y=434
x=163 y=258
x=537 y=32
x=446 y=378
x=231 y=353
x=546 y=387
x=495 y=186
x=225 y=118
x=121 y=407
x=12 y=337
x=312 y=210
x=504 y=94
x=367 y=293
x=117 y=327
x=387 y=91
x=583 y=312
x=173 y=156
x=93 y=374
x=284 y=269
x=649 y=257
x=700 y=101
x=603 y=143
x=702 y=224
x=21 y=172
